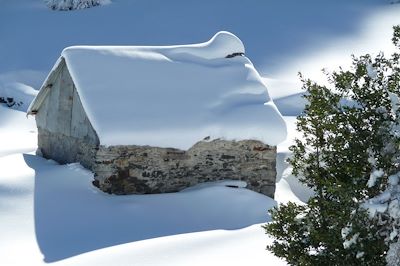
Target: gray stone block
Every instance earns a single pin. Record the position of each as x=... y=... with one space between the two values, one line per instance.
x=143 y=169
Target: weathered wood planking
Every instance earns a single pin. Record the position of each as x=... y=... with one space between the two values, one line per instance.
x=65 y=96
x=65 y=133
x=80 y=124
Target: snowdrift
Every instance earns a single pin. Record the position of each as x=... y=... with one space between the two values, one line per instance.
x=173 y=96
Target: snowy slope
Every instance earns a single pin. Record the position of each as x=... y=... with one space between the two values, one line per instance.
x=370 y=33
x=281 y=37
x=18 y=133
x=51 y=212
x=21 y=95
x=274 y=32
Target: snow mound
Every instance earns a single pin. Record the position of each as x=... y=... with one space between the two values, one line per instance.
x=68 y=212
x=17 y=132
x=222 y=44
x=64 y=5
x=174 y=96
x=17 y=95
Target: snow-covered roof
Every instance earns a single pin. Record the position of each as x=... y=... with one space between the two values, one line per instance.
x=174 y=96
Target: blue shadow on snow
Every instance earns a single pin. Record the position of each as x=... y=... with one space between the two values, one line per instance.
x=73 y=217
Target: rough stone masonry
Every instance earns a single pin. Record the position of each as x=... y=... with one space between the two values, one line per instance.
x=135 y=169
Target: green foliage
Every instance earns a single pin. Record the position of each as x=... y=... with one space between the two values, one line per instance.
x=349 y=135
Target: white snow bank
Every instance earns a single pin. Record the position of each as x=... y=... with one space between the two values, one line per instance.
x=288 y=186
x=219 y=247
x=17 y=132
x=56 y=208
x=21 y=95
x=220 y=45
x=284 y=193
x=64 y=5
x=174 y=95
x=50 y=211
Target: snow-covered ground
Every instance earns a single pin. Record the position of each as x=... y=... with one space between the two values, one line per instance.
x=17 y=133
x=50 y=213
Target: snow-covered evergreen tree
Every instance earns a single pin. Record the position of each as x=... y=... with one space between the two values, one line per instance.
x=350 y=156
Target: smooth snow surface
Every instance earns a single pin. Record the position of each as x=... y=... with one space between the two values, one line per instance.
x=174 y=96
x=51 y=213
x=223 y=43
x=64 y=205
x=55 y=209
x=288 y=187
x=21 y=93
x=18 y=133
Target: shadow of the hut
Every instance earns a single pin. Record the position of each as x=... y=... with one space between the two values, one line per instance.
x=72 y=217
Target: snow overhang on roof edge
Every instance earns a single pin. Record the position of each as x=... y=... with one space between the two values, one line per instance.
x=242 y=94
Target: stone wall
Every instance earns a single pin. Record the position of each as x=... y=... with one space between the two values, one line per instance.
x=144 y=169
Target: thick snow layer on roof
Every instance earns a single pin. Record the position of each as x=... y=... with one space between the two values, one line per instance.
x=174 y=96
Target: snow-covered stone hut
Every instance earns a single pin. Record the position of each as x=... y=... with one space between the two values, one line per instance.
x=151 y=119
